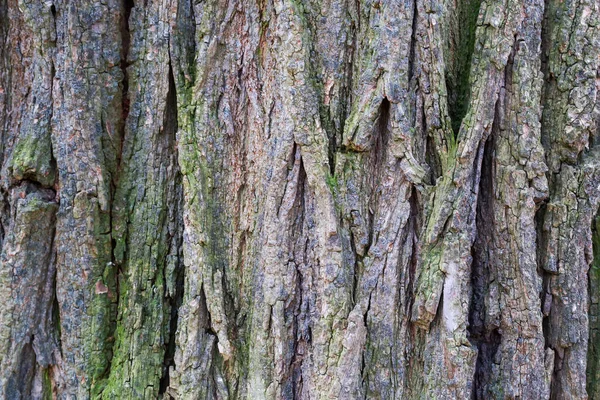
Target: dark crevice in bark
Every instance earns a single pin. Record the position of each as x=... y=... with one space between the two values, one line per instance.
x=114 y=267
x=593 y=354
x=126 y=41
x=205 y=316
x=413 y=42
x=375 y=163
x=482 y=332
x=542 y=239
x=415 y=221
x=432 y=158
x=4 y=215
x=346 y=92
x=356 y=272
x=541 y=244
x=461 y=44
x=173 y=300
x=545 y=295
x=331 y=137
x=549 y=80
x=56 y=324
x=545 y=39
x=363 y=365
x=380 y=141
x=298 y=306
x=415 y=336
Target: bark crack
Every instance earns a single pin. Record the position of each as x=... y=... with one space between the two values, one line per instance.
x=173 y=295
x=461 y=44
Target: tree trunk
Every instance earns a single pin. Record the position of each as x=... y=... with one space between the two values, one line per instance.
x=283 y=199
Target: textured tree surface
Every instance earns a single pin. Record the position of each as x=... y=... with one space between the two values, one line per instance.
x=300 y=199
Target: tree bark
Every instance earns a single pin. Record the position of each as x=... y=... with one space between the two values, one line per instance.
x=281 y=199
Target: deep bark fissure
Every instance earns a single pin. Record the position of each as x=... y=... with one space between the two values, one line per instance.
x=378 y=152
x=548 y=78
x=124 y=64
x=173 y=300
x=414 y=235
x=301 y=342
x=331 y=135
x=346 y=93
x=461 y=47
x=413 y=44
x=482 y=332
x=115 y=266
x=593 y=355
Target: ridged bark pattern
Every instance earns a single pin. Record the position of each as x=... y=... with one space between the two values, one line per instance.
x=284 y=199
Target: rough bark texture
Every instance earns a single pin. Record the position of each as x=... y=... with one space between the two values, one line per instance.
x=285 y=199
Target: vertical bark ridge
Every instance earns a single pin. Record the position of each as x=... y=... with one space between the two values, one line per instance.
x=379 y=156
x=27 y=265
x=518 y=183
x=568 y=123
x=445 y=273
x=28 y=342
x=212 y=165
x=145 y=222
x=86 y=126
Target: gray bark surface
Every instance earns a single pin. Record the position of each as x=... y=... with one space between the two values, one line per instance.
x=282 y=199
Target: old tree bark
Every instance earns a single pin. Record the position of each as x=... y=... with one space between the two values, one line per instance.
x=300 y=199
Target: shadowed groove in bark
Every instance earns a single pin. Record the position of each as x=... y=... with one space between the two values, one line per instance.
x=115 y=266
x=331 y=137
x=541 y=244
x=544 y=56
x=415 y=221
x=174 y=300
x=126 y=40
x=413 y=45
x=415 y=336
x=483 y=334
x=593 y=356
x=381 y=133
x=372 y=265
x=540 y=215
x=300 y=324
x=461 y=44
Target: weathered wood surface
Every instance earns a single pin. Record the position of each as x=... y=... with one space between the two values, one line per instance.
x=283 y=199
